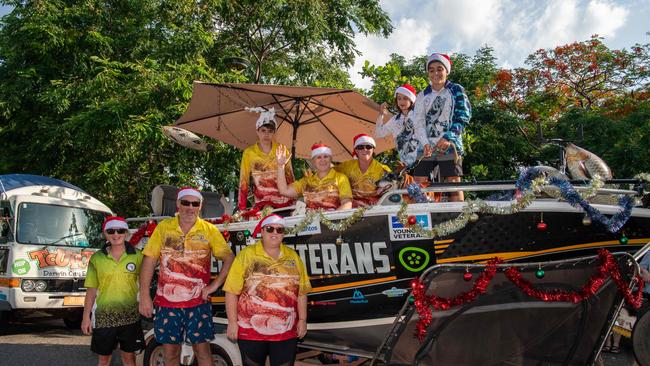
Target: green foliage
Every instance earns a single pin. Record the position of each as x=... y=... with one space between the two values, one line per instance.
x=295 y=41
x=86 y=86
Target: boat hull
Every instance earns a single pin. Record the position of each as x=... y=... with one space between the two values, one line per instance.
x=361 y=276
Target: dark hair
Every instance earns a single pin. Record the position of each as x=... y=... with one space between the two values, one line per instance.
x=399 y=111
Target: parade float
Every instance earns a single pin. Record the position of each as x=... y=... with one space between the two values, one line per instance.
x=388 y=276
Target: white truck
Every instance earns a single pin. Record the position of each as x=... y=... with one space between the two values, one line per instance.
x=49 y=230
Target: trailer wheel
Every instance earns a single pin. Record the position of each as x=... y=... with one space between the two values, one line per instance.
x=154 y=355
x=219 y=356
x=640 y=336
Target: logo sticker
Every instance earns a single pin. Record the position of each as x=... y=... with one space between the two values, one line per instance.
x=394 y=292
x=358 y=298
x=20 y=267
x=398 y=231
x=130 y=266
x=414 y=259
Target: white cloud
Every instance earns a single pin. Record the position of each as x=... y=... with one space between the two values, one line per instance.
x=514 y=28
x=409 y=39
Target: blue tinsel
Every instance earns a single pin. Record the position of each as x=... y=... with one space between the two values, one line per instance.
x=415 y=192
x=613 y=224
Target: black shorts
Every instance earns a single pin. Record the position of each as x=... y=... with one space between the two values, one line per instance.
x=129 y=337
x=281 y=353
x=448 y=168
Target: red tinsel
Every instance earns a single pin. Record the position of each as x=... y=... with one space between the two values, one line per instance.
x=146 y=229
x=608 y=267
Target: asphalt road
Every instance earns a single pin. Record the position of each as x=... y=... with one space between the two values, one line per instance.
x=48 y=342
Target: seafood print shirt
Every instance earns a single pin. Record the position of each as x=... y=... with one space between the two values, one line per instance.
x=184 y=260
x=364 y=187
x=409 y=145
x=443 y=114
x=268 y=289
x=263 y=168
x=326 y=193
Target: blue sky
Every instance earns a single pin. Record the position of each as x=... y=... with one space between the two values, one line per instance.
x=514 y=28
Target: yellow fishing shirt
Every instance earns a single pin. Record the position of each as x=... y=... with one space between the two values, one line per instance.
x=263 y=168
x=326 y=193
x=364 y=185
x=268 y=289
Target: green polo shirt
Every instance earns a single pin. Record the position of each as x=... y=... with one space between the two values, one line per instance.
x=117 y=286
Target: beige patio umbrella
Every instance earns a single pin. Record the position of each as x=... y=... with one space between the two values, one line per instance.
x=305 y=115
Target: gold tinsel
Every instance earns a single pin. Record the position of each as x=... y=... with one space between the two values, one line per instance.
x=339 y=226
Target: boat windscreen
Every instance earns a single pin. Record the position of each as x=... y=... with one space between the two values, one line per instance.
x=504 y=326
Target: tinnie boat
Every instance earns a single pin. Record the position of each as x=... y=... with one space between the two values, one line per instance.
x=361 y=262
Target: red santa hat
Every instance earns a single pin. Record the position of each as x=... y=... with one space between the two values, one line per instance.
x=114 y=222
x=320 y=149
x=268 y=220
x=362 y=139
x=442 y=58
x=408 y=91
x=188 y=191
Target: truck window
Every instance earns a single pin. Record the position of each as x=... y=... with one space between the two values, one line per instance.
x=47 y=224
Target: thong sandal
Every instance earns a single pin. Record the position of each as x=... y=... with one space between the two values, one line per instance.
x=615 y=349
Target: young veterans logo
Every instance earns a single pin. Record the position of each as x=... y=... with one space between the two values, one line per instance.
x=398 y=231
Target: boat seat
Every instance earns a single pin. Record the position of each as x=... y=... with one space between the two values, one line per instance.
x=163 y=202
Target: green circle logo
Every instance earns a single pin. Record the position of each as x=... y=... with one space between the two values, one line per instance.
x=20 y=267
x=414 y=259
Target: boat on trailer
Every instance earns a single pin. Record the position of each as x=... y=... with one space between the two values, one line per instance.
x=361 y=262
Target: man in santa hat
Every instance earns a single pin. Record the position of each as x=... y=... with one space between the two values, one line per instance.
x=183 y=245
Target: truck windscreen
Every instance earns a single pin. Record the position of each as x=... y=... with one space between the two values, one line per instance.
x=48 y=224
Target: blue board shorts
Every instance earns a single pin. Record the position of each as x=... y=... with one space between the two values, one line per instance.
x=173 y=325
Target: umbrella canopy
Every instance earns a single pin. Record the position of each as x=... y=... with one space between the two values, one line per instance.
x=305 y=115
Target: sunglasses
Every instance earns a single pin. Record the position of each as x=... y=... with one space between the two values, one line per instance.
x=113 y=231
x=270 y=229
x=364 y=147
x=191 y=203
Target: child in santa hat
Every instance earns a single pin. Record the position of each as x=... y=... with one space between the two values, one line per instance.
x=441 y=113
x=409 y=145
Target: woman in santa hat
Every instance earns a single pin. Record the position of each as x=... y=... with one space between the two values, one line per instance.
x=364 y=172
x=325 y=189
x=266 y=297
x=442 y=111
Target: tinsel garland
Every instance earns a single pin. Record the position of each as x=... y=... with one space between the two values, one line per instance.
x=146 y=228
x=339 y=226
x=424 y=304
x=613 y=224
x=529 y=184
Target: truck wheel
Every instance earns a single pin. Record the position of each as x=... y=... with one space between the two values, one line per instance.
x=154 y=354
x=640 y=335
x=73 y=320
x=4 y=321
